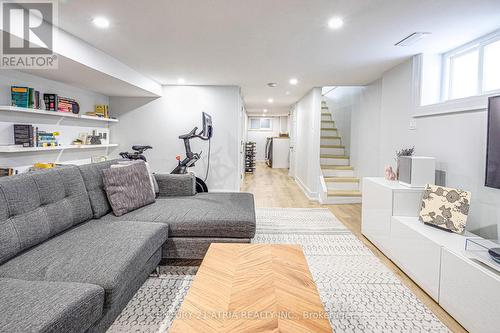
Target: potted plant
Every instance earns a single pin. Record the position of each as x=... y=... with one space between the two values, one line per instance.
x=403 y=152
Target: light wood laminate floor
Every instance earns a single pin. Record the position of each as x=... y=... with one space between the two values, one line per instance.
x=274 y=188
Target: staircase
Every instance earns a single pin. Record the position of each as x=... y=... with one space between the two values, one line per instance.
x=339 y=184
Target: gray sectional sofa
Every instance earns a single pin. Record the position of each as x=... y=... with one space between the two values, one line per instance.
x=67 y=264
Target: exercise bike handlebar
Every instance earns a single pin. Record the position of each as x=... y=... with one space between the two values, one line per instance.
x=192 y=135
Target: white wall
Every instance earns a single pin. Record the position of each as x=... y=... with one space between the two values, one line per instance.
x=284 y=124
x=457 y=140
x=243 y=137
x=260 y=137
x=365 y=131
x=69 y=128
x=159 y=122
x=307 y=142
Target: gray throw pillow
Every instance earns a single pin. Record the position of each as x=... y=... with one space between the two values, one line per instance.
x=128 y=188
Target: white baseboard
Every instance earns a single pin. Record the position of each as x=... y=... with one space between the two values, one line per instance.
x=313 y=196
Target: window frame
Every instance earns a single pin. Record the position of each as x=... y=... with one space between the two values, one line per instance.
x=479 y=45
x=270 y=128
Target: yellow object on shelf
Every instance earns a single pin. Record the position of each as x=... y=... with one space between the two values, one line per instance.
x=101 y=110
x=44 y=165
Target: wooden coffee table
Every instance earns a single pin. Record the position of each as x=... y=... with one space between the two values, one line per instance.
x=252 y=288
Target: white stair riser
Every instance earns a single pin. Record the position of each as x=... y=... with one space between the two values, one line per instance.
x=328 y=125
x=334 y=161
x=326 y=117
x=331 y=142
x=333 y=151
x=342 y=186
x=342 y=200
x=329 y=133
x=338 y=173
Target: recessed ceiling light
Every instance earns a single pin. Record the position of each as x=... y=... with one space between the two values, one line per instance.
x=335 y=23
x=272 y=84
x=293 y=81
x=287 y=93
x=101 y=22
x=181 y=80
x=270 y=100
x=265 y=110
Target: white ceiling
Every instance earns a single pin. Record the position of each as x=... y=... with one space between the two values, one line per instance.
x=252 y=42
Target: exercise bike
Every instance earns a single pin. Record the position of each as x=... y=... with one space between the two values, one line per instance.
x=191 y=158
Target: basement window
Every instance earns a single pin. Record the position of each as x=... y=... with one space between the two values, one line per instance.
x=261 y=124
x=472 y=69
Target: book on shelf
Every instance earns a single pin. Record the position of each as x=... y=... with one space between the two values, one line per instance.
x=19 y=96
x=31 y=97
x=23 y=135
x=64 y=105
x=100 y=110
x=36 y=102
x=67 y=105
x=50 y=102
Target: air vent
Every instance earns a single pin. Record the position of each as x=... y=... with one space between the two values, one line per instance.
x=272 y=84
x=412 y=39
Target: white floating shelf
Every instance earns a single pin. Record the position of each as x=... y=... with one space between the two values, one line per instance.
x=17 y=149
x=109 y=120
x=9 y=108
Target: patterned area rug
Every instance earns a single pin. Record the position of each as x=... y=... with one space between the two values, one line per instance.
x=359 y=293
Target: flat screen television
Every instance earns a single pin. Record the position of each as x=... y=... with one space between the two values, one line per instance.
x=493 y=145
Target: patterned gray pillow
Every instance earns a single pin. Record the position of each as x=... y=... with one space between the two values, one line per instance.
x=128 y=188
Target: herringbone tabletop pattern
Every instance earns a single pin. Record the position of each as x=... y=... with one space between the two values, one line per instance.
x=252 y=288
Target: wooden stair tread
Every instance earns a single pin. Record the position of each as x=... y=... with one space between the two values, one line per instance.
x=332 y=146
x=328 y=121
x=341 y=179
x=328 y=129
x=344 y=193
x=330 y=137
x=337 y=167
x=344 y=157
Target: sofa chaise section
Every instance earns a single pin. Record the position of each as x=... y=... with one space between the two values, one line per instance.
x=194 y=220
x=222 y=215
x=48 y=307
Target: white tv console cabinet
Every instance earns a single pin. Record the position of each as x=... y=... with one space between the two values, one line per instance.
x=433 y=258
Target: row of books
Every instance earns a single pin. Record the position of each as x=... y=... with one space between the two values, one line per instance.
x=30 y=136
x=27 y=97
